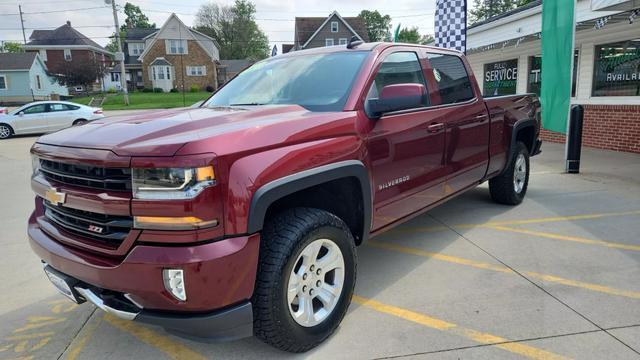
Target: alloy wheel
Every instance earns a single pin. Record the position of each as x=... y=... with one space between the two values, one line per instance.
x=5 y=132
x=519 y=173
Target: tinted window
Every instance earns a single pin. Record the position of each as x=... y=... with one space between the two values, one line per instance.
x=36 y=109
x=318 y=82
x=617 y=69
x=398 y=68
x=452 y=78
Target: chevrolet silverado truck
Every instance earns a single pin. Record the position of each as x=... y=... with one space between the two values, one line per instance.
x=242 y=216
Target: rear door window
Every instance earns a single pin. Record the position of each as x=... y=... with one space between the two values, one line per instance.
x=398 y=68
x=451 y=76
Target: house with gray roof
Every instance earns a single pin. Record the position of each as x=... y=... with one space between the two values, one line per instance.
x=24 y=78
x=313 y=32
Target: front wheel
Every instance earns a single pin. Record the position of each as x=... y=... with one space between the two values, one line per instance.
x=305 y=280
x=80 y=122
x=511 y=186
x=5 y=131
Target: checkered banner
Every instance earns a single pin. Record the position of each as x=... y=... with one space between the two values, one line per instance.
x=451 y=24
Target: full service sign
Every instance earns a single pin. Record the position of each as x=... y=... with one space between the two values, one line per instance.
x=500 y=78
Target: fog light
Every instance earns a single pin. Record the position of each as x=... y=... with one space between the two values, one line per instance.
x=174 y=282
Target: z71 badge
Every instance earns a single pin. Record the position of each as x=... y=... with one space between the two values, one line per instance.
x=393 y=182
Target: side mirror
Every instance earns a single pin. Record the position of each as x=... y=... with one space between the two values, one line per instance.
x=21 y=113
x=197 y=104
x=396 y=97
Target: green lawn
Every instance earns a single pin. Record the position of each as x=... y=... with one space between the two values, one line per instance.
x=140 y=100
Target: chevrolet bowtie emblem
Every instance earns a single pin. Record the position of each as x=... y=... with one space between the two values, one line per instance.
x=55 y=197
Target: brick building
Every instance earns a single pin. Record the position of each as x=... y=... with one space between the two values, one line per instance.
x=66 y=46
x=313 y=32
x=177 y=57
x=606 y=75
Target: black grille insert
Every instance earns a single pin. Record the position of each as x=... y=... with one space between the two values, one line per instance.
x=114 y=179
x=107 y=229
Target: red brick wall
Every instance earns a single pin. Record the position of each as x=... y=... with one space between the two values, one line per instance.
x=611 y=127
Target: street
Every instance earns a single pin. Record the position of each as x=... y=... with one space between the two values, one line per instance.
x=553 y=278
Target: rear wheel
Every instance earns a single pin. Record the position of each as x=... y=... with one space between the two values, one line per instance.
x=80 y=122
x=305 y=281
x=5 y=131
x=510 y=187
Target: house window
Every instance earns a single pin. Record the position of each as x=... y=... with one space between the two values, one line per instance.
x=616 y=72
x=328 y=42
x=176 y=47
x=38 y=83
x=3 y=82
x=334 y=26
x=115 y=77
x=197 y=70
x=43 y=54
x=135 y=49
x=342 y=41
x=168 y=73
x=67 y=54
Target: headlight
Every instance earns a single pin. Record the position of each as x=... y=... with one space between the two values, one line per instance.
x=35 y=165
x=171 y=183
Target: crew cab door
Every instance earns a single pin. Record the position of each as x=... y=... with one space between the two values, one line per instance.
x=465 y=118
x=406 y=154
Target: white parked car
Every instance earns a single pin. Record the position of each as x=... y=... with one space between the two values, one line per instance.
x=46 y=116
x=3 y=110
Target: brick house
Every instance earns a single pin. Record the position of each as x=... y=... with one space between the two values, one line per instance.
x=66 y=45
x=313 y=32
x=177 y=56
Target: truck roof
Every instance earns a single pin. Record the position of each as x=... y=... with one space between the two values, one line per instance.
x=363 y=47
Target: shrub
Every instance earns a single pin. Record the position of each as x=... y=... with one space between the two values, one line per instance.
x=194 y=88
x=147 y=90
x=158 y=90
x=112 y=90
x=174 y=90
x=210 y=88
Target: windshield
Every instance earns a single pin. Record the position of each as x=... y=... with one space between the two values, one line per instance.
x=318 y=82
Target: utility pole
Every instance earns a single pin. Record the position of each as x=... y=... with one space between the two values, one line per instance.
x=123 y=79
x=24 y=37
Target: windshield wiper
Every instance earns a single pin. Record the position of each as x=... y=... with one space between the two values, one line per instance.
x=248 y=104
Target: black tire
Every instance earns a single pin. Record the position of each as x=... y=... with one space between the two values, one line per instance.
x=3 y=131
x=283 y=239
x=80 y=122
x=502 y=187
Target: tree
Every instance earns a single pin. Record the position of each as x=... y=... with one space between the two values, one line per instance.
x=378 y=25
x=135 y=18
x=73 y=73
x=485 y=9
x=234 y=28
x=12 y=47
x=413 y=36
x=112 y=46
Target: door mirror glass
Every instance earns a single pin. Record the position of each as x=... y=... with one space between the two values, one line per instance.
x=396 y=97
x=21 y=113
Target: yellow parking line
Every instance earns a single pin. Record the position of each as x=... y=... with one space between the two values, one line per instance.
x=173 y=349
x=519 y=222
x=568 y=238
x=442 y=325
x=504 y=269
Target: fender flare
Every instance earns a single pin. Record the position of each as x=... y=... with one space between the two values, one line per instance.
x=519 y=125
x=277 y=189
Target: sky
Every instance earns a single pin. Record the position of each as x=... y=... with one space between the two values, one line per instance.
x=275 y=17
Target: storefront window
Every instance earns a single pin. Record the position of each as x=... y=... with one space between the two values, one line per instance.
x=534 y=77
x=617 y=69
x=500 y=78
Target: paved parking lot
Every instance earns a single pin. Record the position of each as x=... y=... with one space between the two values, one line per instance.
x=557 y=277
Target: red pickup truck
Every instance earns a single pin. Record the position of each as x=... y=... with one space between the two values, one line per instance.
x=242 y=216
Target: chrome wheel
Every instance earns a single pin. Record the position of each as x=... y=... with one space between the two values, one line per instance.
x=519 y=173
x=316 y=282
x=5 y=131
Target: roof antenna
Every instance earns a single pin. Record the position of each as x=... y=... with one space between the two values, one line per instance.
x=354 y=42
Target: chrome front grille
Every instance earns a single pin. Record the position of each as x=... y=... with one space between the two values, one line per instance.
x=108 y=230
x=112 y=179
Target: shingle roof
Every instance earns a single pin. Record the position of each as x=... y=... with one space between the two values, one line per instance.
x=139 y=33
x=235 y=66
x=287 y=47
x=64 y=35
x=22 y=61
x=508 y=13
x=307 y=26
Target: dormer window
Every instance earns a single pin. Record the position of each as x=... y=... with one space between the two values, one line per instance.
x=334 y=26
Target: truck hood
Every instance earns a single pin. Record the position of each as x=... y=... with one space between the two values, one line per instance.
x=163 y=133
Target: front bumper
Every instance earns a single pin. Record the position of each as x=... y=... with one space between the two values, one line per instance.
x=219 y=281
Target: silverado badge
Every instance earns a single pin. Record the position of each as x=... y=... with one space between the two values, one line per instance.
x=55 y=197
x=96 y=229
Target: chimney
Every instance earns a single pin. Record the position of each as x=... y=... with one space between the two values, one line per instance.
x=68 y=23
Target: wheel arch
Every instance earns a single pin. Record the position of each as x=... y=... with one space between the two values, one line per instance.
x=523 y=130
x=292 y=187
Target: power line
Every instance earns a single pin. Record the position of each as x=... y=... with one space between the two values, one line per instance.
x=55 y=27
x=58 y=11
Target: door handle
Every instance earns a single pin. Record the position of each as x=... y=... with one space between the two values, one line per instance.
x=435 y=127
x=481 y=117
